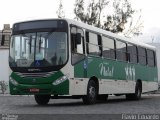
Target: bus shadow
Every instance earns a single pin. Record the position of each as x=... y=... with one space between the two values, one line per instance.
x=80 y=103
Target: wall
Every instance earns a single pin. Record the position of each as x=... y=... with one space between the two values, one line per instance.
x=4 y=67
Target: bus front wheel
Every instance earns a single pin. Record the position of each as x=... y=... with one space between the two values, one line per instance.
x=42 y=99
x=92 y=92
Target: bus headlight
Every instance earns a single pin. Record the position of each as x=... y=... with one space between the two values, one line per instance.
x=13 y=81
x=60 y=80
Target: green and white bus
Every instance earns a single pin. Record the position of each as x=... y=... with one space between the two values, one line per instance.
x=58 y=58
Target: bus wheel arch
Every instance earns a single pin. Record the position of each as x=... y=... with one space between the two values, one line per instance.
x=95 y=79
x=138 y=91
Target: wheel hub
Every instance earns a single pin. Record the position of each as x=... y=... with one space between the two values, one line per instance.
x=92 y=92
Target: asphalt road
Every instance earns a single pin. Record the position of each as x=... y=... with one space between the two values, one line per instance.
x=114 y=105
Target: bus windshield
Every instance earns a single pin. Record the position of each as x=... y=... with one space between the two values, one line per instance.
x=39 y=49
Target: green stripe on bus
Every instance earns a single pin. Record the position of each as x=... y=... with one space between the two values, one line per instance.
x=113 y=69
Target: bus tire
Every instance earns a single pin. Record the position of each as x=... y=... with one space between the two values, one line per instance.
x=92 y=92
x=42 y=99
x=137 y=94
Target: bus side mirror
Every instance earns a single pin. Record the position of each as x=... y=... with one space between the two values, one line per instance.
x=78 y=38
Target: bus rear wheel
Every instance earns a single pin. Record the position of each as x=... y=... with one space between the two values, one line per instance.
x=42 y=99
x=137 y=94
x=92 y=92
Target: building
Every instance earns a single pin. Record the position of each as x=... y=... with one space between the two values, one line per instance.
x=5 y=35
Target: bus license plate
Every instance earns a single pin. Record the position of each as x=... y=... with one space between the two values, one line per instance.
x=34 y=90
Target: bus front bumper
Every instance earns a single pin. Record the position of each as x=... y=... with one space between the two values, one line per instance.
x=25 y=89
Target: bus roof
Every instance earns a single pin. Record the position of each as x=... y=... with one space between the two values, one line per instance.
x=103 y=32
x=108 y=33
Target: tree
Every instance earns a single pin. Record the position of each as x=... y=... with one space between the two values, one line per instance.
x=60 y=12
x=79 y=11
x=135 y=26
x=90 y=17
x=3 y=86
x=101 y=5
x=116 y=22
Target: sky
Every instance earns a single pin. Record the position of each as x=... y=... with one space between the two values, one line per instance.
x=12 y=11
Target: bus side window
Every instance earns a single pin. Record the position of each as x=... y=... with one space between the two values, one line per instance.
x=108 y=47
x=73 y=37
x=77 y=44
x=132 y=53
x=155 y=60
x=94 y=44
x=80 y=46
x=121 y=51
x=142 y=57
x=151 y=58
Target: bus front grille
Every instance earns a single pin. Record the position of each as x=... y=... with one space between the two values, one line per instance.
x=35 y=75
